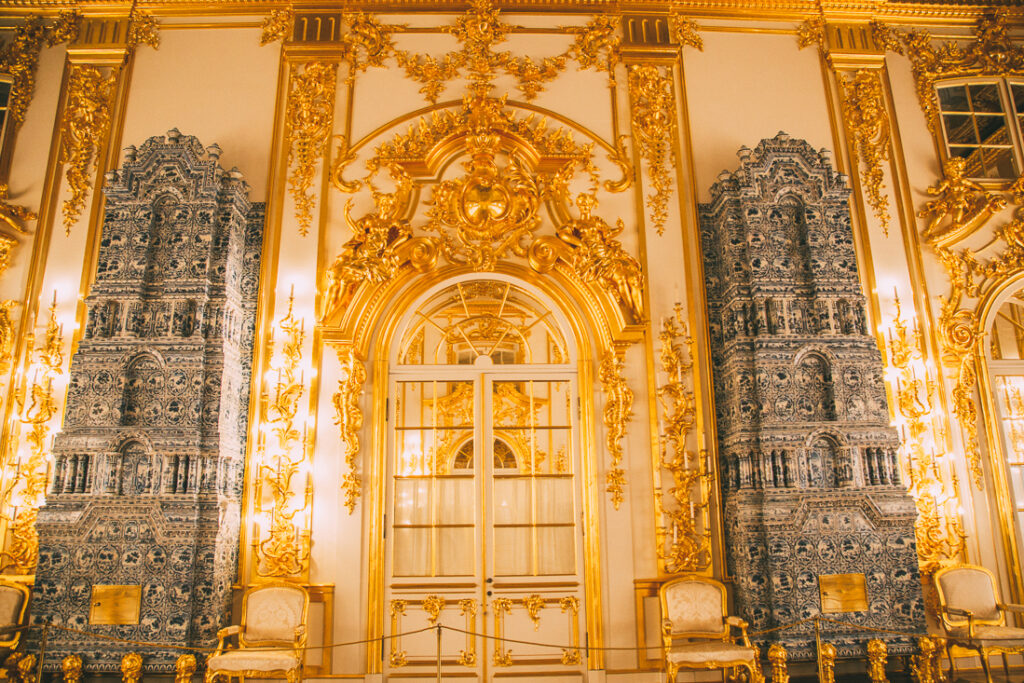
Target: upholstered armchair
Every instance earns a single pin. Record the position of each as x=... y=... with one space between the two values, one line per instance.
x=693 y=609
x=973 y=617
x=271 y=637
x=13 y=605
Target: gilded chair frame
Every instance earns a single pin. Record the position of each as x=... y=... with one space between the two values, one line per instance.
x=9 y=639
x=668 y=636
x=953 y=617
x=298 y=643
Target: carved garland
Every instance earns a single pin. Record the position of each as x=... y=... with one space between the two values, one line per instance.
x=654 y=128
x=19 y=58
x=866 y=119
x=684 y=544
x=349 y=418
x=309 y=115
x=84 y=129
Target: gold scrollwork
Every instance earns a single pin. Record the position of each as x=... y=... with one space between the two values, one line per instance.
x=84 y=129
x=777 y=656
x=184 y=668
x=501 y=606
x=811 y=32
x=19 y=58
x=349 y=417
x=654 y=126
x=131 y=668
x=684 y=544
x=432 y=605
x=939 y=530
x=143 y=29
x=534 y=604
x=927 y=666
x=71 y=667
x=397 y=657
x=285 y=551
x=467 y=608
x=827 y=657
x=866 y=118
x=310 y=115
x=570 y=605
x=12 y=216
x=618 y=410
x=36 y=408
x=877 y=652
x=684 y=30
x=992 y=53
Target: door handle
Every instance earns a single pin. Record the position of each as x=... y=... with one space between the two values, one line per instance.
x=490 y=580
x=488 y=593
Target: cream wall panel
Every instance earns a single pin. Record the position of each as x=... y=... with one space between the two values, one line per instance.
x=746 y=87
x=215 y=84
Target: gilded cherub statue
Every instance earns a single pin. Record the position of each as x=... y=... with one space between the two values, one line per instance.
x=964 y=202
x=371 y=254
x=599 y=257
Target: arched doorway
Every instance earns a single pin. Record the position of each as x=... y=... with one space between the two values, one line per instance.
x=483 y=501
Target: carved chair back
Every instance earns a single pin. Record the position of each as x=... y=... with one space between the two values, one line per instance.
x=271 y=613
x=695 y=607
x=967 y=587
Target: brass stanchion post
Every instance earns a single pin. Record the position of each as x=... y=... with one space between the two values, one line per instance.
x=817 y=642
x=42 y=652
x=438 y=627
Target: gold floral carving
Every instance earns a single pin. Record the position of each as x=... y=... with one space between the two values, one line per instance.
x=866 y=119
x=143 y=29
x=432 y=605
x=71 y=667
x=684 y=30
x=991 y=53
x=349 y=418
x=618 y=410
x=19 y=57
x=827 y=659
x=131 y=668
x=84 y=129
x=811 y=32
x=309 y=115
x=24 y=669
x=597 y=45
x=365 y=43
x=285 y=550
x=877 y=652
x=12 y=215
x=467 y=608
x=654 y=112
x=534 y=604
x=277 y=26
x=6 y=334
x=777 y=656
x=36 y=408
x=501 y=606
x=939 y=530
x=965 y=203
x=184 y=668
x=927 y=666
x=684 y=543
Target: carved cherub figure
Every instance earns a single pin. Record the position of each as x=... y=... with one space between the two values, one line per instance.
x=12 y=214
x=598 y=257
x=371 y=253
x=964 y=202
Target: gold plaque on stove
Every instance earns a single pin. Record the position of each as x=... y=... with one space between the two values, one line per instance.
x=115 y=604
x=843 y=593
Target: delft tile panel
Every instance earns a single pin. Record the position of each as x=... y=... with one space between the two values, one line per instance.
x=148 y=468
x=808 y=460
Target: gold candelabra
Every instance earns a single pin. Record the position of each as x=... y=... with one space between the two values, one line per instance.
x=284 y=551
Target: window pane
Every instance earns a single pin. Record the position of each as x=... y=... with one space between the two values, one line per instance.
x=556 y=550
x=412 y=552
x=5 y=93
x=554 y=500
x=455 y=498
x=455 y=554
x=512 y=552
x=412 y=501
x=953 y=98
x=999 y=163
x=985 y=98
x=992 y=130
x=512 y=500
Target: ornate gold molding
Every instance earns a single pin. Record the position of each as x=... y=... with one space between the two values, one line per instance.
x=12 y=216
x=309 y=116
x=277 y=26
x=777 y=656
x=965 y=203
x=349 y=418
x=654 y=125
x=143 y=29
x=84 y=129
x=684 y=30
x=570 y=605
x=684 y=542
x=36 y=408
x=467 y=608
x=19 y=58
x=131 y=668
x=501 y=607
x=432 y=605
x=877 y=653
x=618 y=410
x=991 y=53
x=534 y=604
x=864 y=112
x=71 y=668
x=397 y=657
x=184 y=668
x=285 y=550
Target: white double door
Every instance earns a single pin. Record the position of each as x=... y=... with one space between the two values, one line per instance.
x=483 y=523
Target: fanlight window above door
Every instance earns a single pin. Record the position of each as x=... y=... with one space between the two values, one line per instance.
x=488 y=322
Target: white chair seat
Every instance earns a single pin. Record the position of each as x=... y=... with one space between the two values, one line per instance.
x=989 y=636
x=255 y=659
x=702 y=653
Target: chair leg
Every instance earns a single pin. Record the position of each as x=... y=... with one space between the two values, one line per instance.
x=670 y=671
x=1006 y=668
x=985 y=665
